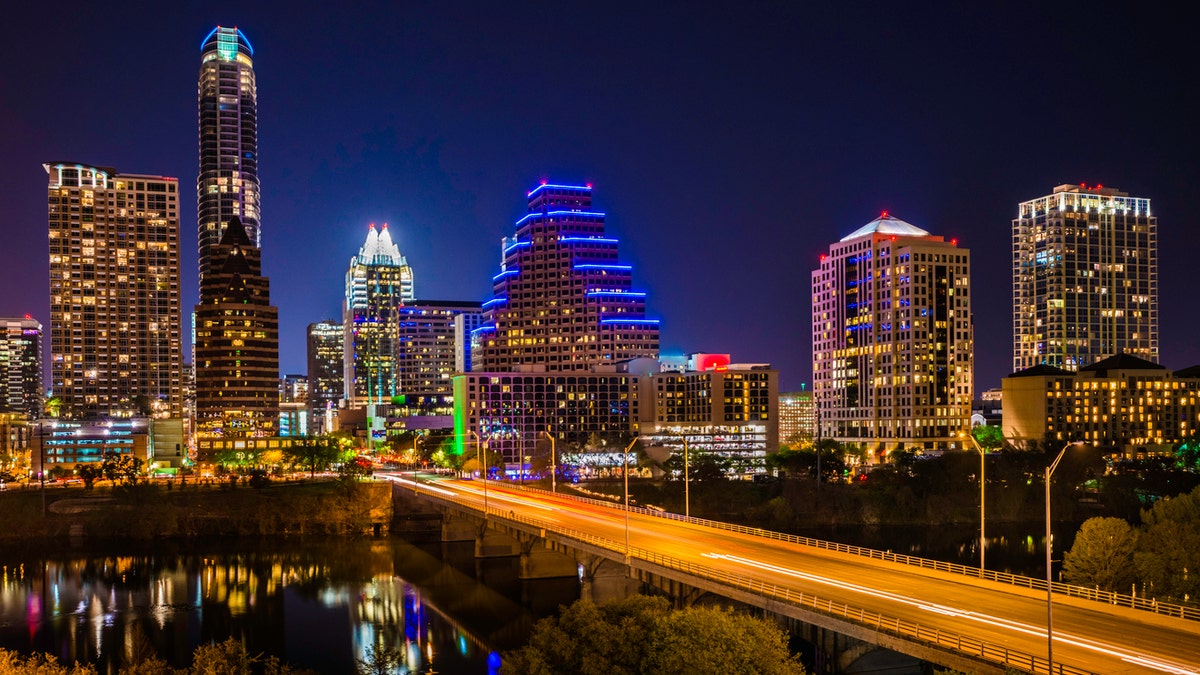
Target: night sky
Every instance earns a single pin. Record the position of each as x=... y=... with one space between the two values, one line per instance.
x=729 y=145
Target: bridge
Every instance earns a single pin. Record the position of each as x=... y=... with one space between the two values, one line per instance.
x=844 y=599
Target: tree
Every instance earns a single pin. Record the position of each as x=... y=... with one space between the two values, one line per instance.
x=314 y=454
x=13 y=663
x=988 y=437
x=1169 y=550
x=1102 y=555
x=121 y=468
x=381 y=661
x=89 y=473
x=641 y=634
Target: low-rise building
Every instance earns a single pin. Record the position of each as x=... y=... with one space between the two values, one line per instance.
x=68 y=443
x=1123 y=402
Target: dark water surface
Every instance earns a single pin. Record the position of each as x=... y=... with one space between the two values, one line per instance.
x=314 y=604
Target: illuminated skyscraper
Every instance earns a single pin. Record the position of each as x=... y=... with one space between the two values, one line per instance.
x=237 y=343
x=325 y=375
x=114 y=292
x=227 y=186
x=378 y=282
x=426 y=350
x=21 y=366
x=893 y=339
x=562 y=301
x=1085 y=278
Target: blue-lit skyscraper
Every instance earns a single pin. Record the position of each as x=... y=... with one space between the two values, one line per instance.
x=378 y=283
x=227 y=186
x=562 y=299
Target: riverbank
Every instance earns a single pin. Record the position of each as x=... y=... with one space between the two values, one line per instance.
x=157 y=510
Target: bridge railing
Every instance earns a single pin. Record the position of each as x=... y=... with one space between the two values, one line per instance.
x=962 y=644
x=1107 y=597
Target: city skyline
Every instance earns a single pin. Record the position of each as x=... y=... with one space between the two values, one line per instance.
x=706 y=150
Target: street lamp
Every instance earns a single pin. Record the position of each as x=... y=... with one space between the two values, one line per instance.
x=553 y=468
x=481 y=448
x=1049 y=591
x=625 y=456
x=982 y=512
x=687 y=499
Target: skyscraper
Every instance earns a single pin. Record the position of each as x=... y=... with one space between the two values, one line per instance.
x=893 y=339
x=562 y=301
x=426 y=348
x=114 y=292
x=1085 y=278
x=378 y=282
x=237 y=343
x=21 y=366
x=325 y=375
x=227 y=186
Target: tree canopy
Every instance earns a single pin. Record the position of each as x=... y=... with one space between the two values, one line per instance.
x=641 y=634
x=1102 y=555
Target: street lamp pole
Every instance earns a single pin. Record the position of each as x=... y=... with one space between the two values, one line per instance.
x=982 y=512
x=625 y=456
x=1049 y=545
x=480 y=448
x=553 y=468
x=687 y=498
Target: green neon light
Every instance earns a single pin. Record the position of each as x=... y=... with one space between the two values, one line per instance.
x=460 y=413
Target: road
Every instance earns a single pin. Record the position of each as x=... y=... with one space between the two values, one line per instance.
x=1087 y=635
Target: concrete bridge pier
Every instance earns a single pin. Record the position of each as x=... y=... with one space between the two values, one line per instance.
x=539 y=560
x=603 y=580
x=837 y=654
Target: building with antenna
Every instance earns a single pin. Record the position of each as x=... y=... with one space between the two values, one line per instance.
x=379 y=282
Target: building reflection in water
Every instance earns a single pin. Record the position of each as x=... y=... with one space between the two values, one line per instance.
x=321 y=607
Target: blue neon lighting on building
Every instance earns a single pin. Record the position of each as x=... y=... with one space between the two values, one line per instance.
x=543 y=186
x=518 y=244
x=630 y=294
x=505 y=273
x=483 y=329
x=243 y=36
x=597 y=266
x=589 y=214
x=589 y=240
x=494 y=301
x=632 y=321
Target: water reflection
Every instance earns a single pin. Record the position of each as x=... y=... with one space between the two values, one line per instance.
x=316 y=605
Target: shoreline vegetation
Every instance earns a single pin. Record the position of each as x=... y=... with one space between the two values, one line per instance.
x=196 y=509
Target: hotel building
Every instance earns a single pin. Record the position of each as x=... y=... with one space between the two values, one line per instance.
x=114 y=292
x=562 y=300
x=893 y=339
x=227 y=186
x=1122 y=403
x=797 y=416
x=1085 y=278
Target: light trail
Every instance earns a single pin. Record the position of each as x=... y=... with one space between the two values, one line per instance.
x=994 y=621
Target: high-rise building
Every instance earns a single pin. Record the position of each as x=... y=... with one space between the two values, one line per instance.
x=326 y=381
x=114 y=292
x=237 y=343
x=21 y=366
x=893 y=339
x=562 y=300
x=227 y=186
x=378 y=282
x=426 y=345
x=797 y=416
x=1085 y=278
x=293 y=388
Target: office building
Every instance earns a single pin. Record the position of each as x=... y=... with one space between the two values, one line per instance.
x=893 y=339
x=21 y=366
x=325 y=376
x=797 y=416
x=227 y=186
x=1123 y=403
x=378 y=282
x=562 y=300
x=293 y=388
x=114 y=292
x=465 y=325
x=426 y=345
x=67 y=443
x=1085 y=278
x=728 y=410
x=237 y=343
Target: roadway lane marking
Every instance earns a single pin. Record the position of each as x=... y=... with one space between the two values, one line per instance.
x=994 y=621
